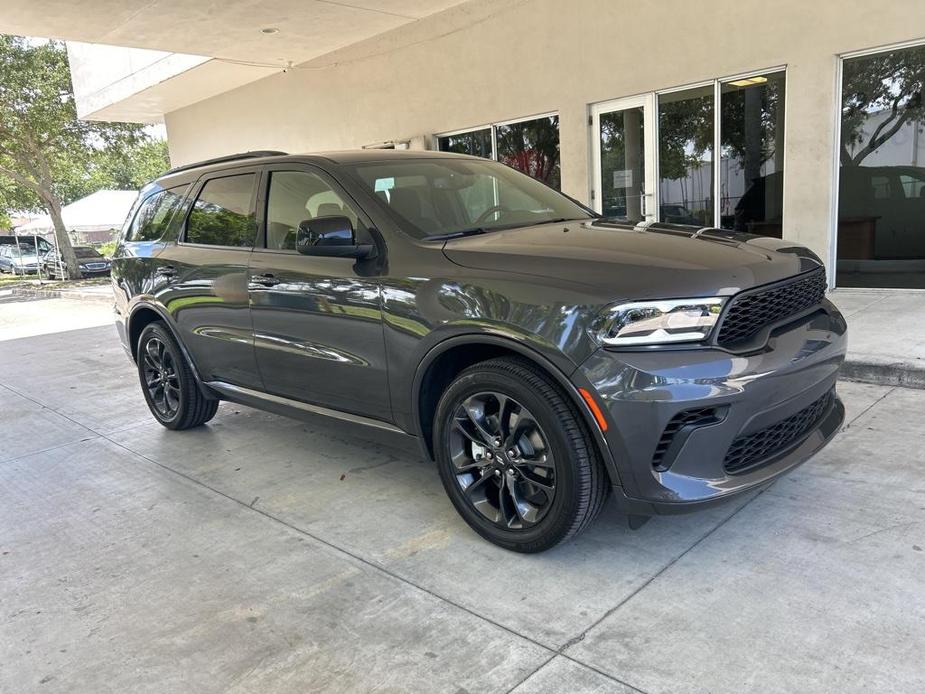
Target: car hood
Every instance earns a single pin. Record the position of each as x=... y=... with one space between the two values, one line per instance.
x=623 y=262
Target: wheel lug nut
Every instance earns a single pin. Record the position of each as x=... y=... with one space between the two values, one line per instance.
x=497 y=473
x=497 y=442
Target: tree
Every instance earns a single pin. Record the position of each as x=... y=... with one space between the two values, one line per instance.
x=891 y=83
x=47 y=155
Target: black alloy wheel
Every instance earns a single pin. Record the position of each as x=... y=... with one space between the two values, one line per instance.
x=168 y=382
x=503 y=462
x=515 y=456
x=160 y=377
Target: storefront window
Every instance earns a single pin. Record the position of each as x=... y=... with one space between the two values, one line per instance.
x=752 y=154
x=685 y=156
x=475 y=142
x=881 y=187
x=531 y=146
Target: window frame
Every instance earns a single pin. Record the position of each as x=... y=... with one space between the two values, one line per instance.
x=263 y=201
x=197 y=190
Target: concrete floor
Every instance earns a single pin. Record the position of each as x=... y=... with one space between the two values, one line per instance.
x=887 y=334
x=261 y=554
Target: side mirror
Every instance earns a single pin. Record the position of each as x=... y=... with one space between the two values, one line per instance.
x=330 y=237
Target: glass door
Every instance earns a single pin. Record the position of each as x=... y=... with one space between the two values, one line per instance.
x=623 y=132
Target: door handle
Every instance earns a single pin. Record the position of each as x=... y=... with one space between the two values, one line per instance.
x=266 y=280
x=166 y=271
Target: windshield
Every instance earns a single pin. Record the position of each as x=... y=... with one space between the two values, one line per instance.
x=86 y=253
x=23 y=251
x=436 y=197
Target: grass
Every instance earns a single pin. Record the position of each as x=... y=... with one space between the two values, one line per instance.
x=31 y=282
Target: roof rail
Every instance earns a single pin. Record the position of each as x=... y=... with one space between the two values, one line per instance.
x=253 y=154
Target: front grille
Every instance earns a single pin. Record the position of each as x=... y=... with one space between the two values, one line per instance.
x=96 y=266
x=748 y=451
x=751 y=311
x=688 y=418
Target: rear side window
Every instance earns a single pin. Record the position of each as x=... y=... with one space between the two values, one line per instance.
x=223 y=214
x=154 y=215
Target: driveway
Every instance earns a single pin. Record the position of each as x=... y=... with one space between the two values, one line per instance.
x=262 y=554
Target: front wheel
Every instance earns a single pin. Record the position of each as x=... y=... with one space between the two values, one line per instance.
x=168 y=383
x=515 y=457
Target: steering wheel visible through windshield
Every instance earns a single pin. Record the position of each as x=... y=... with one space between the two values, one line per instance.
x=453 y=197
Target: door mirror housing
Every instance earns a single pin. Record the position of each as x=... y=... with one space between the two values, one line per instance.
x=331 y=237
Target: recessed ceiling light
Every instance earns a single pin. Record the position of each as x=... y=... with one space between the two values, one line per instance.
x=269 y=30
x=749 y=81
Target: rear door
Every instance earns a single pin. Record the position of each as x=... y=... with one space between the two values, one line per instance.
x=317 y=320
x=203 y=277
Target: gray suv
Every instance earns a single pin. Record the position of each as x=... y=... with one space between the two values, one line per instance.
x=544 y=357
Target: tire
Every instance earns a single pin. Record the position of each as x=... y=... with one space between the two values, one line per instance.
x=517 y=505
x=174 y=399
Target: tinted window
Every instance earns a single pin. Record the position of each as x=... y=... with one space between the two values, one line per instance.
x=223 y=214
x=685 y=156
x=752 y=154
x=298 y=196
x=531 y=146
x=86 y=253
x=154 y=215
x=881 y=203
x=476 y=142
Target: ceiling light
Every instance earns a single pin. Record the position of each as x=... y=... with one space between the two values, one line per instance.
x=749 y=81
x=269 y=30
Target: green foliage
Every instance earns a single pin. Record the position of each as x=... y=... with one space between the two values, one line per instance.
x=45 y=151
x=129 y=169
x=48 y=157
x=108 y=248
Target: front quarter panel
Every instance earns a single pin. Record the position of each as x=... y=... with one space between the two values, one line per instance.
x=423 y=309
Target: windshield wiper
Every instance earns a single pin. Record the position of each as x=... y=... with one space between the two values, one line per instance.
x=474 y=231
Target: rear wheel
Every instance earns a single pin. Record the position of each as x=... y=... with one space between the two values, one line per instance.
x=168 y=383
x=515 y=457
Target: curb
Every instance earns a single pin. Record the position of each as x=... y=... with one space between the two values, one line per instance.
x=59 y=294
x=883 y=374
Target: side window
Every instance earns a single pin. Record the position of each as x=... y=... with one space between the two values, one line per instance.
x=298 y=196
x=154 y=215
x=223 y=214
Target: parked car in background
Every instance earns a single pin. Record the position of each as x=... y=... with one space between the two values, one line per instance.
x=543 y=356
x=92 y=264
x=23 y=241
x=18 y=260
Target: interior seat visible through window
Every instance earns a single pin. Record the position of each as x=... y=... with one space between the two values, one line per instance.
x=297 y=197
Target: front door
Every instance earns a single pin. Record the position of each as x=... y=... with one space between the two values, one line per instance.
x=623 y=156
x=317 y=320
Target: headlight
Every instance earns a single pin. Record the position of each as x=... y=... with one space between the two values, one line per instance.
x=659 y=322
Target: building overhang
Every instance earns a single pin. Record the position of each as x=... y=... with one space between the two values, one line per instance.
x=135 y=60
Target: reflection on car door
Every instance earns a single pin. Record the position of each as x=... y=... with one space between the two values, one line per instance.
x=203 y=278
x=317 y=320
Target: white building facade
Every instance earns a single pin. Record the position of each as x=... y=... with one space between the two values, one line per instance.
x=794 y=119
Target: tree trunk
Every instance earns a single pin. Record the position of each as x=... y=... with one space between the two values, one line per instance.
x=63 y=240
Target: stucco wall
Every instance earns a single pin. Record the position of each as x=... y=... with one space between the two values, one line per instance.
x=489 y=61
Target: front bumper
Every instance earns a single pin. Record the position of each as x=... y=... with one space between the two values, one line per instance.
x=662 y=469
